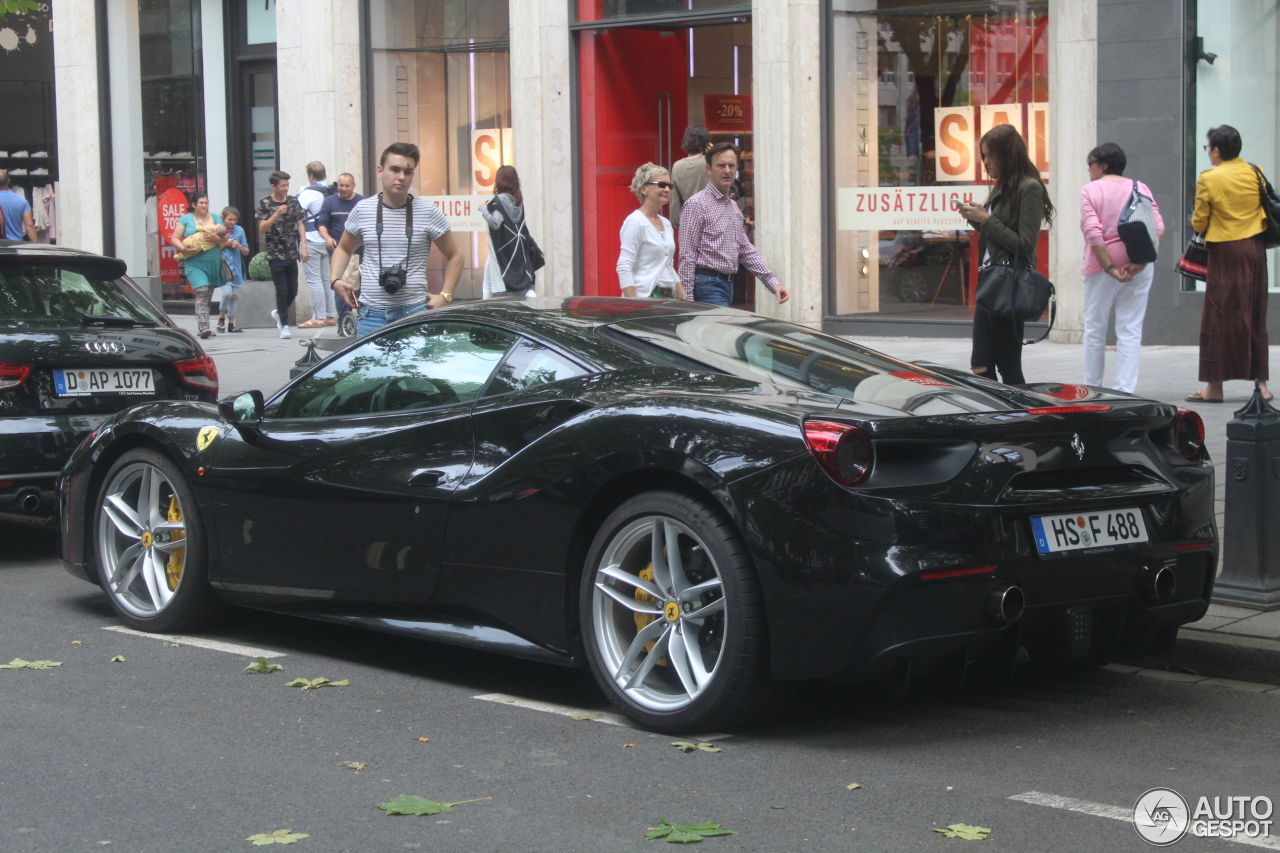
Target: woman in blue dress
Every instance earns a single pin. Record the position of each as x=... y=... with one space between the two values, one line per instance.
x=203 y=271
x=233 y=254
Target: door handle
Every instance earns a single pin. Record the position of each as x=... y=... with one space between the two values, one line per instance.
x=426 y=479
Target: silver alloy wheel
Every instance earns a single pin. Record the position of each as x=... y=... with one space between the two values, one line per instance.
x=659 y=613
x=141 y=539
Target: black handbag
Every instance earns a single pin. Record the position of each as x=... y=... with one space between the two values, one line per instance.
x=1194 y=262
x=536 y=259
x=1016 y=292
x=1271 y=207
x=1137 y=227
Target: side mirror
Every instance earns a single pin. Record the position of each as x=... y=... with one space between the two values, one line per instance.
x=243 y=410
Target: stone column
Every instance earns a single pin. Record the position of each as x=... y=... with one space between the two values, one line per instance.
x=75 y=61
x=542 y=133
x=1073 y=120
x=786 y=39
x=129 y=177
x=319 y=97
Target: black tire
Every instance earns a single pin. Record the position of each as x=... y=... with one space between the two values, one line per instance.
x=739 y=685
x=190 y=601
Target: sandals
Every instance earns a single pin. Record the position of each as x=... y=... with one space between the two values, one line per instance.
x=1199 y=397
x=313 y=323
x=205 y=334
x=222 y=327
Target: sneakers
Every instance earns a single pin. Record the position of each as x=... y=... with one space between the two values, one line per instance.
x=275 y=315
x=284 y=332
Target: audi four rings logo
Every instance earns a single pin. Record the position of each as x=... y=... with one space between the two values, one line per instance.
x=105 y=346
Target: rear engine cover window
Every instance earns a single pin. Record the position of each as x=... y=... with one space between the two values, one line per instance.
x=39 y=295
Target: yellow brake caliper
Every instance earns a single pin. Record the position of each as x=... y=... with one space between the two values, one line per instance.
x=643 y=619
x=178 y=556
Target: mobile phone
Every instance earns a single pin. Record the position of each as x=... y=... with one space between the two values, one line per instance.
x=955 y=203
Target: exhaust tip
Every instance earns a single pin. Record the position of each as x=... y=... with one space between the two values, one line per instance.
x=1163 y=584
x=1005 y=604
x=29 y=500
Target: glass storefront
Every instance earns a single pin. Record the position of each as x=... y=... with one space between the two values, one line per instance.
x=440 y=77
x=1240 y=88
x=913 y=89
x=29 y=139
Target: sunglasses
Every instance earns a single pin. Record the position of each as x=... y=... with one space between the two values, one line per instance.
x=660 y=185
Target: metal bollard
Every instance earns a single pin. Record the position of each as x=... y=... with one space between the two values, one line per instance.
x=309 y=360
x=1251 y=536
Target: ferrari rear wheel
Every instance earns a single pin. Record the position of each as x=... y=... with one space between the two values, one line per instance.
x=150 y=546
x=672 y=616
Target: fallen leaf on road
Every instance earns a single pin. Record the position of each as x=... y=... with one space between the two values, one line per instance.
x=118 y=659
x=1131 y=712
x=77 y=642
x=581 y=717
x=280 y=836
x=689 y=746
x=19 y=663
x=410 y=804
x=354 y=765
x=628 y=745
x=261 y=665
x=684 y=833
x=172 y=645
x=316 y=683
x=965 y=831
x=853 y=786
x=422 y=739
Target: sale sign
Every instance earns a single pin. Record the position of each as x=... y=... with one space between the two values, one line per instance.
x=490 y=149
x=171 y=205
x=958 y=129
x=462 y=211
x=727 y=113
x=904 y=208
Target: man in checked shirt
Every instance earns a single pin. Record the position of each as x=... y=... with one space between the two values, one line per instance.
x=713 y=237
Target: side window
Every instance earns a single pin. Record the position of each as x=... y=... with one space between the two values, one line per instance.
x=531 y=364
x=416 y=367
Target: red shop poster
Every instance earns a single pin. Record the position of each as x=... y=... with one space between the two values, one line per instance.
x=171 y=205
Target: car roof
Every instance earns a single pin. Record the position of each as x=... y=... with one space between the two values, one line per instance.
x=50 y=254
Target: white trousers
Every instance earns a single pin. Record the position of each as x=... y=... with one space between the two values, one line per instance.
x=1102 y=295
x=316 y=267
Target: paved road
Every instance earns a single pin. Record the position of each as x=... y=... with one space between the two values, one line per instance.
x=175 y=749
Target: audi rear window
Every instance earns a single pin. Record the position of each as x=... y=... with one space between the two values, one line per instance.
x=70 y=295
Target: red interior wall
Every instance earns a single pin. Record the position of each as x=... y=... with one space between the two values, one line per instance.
x=621 y=74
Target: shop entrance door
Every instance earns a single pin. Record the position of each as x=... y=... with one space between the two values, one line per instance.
x=639 y=88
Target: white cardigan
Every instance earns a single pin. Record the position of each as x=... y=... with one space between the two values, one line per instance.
x=647 y=256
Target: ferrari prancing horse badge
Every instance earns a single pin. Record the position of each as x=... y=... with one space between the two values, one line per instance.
x=206 y=437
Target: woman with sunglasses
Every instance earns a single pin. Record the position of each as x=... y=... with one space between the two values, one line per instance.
x=647 y=256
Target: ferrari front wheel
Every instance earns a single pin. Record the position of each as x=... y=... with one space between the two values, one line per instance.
x=673 y=618
x=150 y=546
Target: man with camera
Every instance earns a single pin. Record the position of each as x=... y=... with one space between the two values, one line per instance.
x=397 y=231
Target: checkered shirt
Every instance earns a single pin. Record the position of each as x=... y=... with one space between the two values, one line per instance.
x=713 y=234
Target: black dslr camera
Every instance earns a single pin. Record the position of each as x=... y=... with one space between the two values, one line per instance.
x=392 y=279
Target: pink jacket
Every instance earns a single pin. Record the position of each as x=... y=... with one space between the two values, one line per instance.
x=1101 y=203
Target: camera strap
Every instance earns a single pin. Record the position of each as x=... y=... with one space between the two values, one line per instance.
x=408 y=231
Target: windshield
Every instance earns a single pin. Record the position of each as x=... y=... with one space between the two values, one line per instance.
x=43 y=295
x=788 y=354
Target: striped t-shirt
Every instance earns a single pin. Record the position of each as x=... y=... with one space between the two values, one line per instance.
x=428 y=224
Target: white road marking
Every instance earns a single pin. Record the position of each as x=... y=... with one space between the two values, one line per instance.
x=567 y=711
x=1053 y=801
x=200 y=642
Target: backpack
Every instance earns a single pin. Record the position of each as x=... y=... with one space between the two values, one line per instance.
x=325 y=190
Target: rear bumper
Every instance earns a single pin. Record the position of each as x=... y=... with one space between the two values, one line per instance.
x=28 y=495
x=33 y=450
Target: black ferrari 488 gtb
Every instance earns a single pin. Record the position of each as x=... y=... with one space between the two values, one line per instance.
x=701 y=505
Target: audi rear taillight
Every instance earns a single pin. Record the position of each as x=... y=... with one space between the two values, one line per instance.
x=200 y=373
x=1068 y=410
x=12 y=374
x=1188 y=434
x=844 y=451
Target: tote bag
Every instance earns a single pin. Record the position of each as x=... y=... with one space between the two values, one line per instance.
x=1194 y=262
x=1271 y=207
x=1137 y=228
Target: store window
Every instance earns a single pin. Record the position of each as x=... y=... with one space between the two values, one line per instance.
x=172 y=123
x=440 y=78
x=29 y=139
x=601 y=10
x=913 y=89
x=1239 y=88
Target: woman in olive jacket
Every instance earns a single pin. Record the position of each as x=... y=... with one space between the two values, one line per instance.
x=1008 y=227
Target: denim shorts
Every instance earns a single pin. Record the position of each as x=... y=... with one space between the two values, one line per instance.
x=372 y=319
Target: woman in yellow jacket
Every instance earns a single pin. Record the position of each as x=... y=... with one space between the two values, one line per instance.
x=1233 y=323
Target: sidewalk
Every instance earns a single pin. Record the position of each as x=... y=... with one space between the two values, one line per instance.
x=257 y=358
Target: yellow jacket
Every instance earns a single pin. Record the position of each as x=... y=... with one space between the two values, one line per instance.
x=1228 y=206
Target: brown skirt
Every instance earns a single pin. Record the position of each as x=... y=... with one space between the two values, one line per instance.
x=1233 y=326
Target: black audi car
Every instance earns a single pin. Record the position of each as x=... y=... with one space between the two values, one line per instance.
x=78 y=341
x=701 y=505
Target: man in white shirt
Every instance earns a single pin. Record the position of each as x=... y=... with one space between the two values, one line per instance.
x=316 y=266
x=397 y=231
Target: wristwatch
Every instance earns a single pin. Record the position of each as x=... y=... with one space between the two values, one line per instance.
x=1110 y=268
x=448 y=297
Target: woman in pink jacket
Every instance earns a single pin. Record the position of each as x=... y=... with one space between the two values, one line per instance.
x=1111 y=282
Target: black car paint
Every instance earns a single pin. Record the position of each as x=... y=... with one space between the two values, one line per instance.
x=841 y=567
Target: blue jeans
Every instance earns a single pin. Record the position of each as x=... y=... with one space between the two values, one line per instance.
x=372 y=319
x=713 y=290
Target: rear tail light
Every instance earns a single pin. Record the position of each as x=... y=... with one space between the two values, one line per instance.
x=1068 y=410
x=200 y=373
x=13 y=374
x=1188 y=434
x=842 y=450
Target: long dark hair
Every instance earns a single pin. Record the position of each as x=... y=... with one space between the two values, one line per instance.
x=508 y=181
x=1009 y=152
